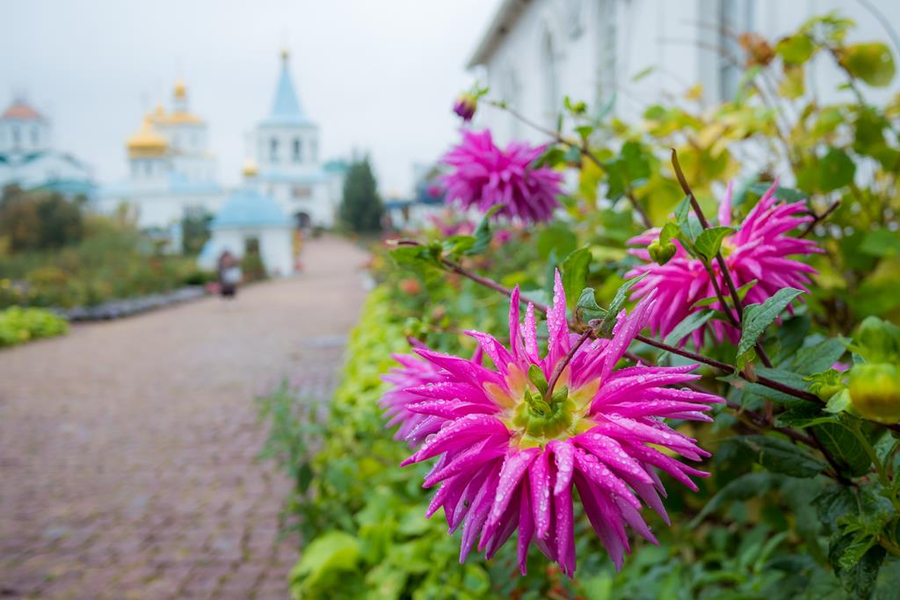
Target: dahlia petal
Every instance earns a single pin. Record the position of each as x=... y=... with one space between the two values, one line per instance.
x=539 y=480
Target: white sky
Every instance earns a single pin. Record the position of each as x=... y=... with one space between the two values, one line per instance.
x=378 y=75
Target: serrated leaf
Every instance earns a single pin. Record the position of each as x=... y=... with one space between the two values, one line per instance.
x=844 y=448
x=859 y=581
x=757 y=317
x=587 y=309
x=574 y=273
x=780 y=456
x=804 y=414
x=709 y=242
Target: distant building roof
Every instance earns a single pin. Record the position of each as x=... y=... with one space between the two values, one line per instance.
x=247 y=207
x=22 y=111
x=286 y=109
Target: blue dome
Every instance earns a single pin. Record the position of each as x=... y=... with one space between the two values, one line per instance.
x=247 y=207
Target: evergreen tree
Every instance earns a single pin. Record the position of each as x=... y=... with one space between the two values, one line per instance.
x=361 y=208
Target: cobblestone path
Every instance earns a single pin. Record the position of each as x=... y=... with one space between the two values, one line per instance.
x=128 y=449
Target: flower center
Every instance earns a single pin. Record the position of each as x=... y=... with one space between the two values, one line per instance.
x=545 y=418
x=536 y=415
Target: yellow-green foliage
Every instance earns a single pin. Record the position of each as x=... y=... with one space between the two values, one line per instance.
x=19 y=325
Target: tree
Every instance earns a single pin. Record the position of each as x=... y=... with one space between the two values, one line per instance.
x=361 y=208
x=39 y=220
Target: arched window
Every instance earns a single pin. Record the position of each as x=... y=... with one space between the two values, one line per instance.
x=550 y=79
x=273 y=150
x=298 y=150
x=16 y=136
x=35 y=136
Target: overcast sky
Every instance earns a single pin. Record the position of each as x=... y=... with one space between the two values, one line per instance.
x=379 y=75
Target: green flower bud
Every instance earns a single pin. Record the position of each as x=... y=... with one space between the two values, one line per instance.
x=877 y=340
x=661 y=253
x=875 y=392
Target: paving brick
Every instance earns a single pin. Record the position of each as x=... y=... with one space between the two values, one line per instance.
x=128 y=449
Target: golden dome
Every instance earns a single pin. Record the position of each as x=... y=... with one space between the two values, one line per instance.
x=181 y=118
x=180 y=90
x=159 y=114
x=147 y=143
x=250 y=169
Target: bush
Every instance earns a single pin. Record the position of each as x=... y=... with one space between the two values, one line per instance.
x=20 y=325
x=39 y=220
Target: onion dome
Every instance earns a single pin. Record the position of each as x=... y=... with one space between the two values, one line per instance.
x=250 y=168
x=147 y=143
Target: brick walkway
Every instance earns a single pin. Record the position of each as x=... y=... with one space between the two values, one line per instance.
x=127 y=449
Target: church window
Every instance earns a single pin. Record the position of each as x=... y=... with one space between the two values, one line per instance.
x=15 y=136
x=299 y=192
x=551 y=78
x=298 y=150
x=273 y=150
x=35 y=136
x=735 y=18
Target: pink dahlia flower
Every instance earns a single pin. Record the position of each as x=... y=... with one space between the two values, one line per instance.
x=484 y=176
x=759 y=251
x=510 y=451
x=413 y=373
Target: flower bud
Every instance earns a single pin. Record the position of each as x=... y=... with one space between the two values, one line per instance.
x=661 y=253
x=465 y=106
x=878 y=340
x=875 y=392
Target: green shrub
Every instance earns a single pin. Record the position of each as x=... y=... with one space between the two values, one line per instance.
x=20 y=325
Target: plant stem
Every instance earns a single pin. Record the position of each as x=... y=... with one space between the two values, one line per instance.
x=819 y=218
x=561 y=365
x=582 y=148
x=723 y=266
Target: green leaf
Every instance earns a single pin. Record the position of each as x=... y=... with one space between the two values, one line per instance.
x=618 y=301
x=804 y=414
x=483 y=233
x=749 y=485
x=835 y=170
x=859 y=581
x=844 y=447
x=795 y=49
x=416 y=258
x=784 y=194
x=757 y=317
x=304 y=477
x=688 y=325
x=458 y=244
x=556 y=236
x=574 y=274
x=326 y=556
x=881 y=242
x=587 y=309
x=821 y=356
x=781 y=456
x=870 y=61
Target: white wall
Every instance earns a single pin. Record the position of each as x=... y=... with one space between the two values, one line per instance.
x=620 y=38
x=275 y=247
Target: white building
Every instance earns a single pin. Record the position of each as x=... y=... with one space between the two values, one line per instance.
x=252 y=222
x=171 y=171
x=27 y=157
x=535 y=52
x=287 y=162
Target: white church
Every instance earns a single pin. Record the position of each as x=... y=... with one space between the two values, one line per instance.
x=286 y=186
x=287 y=164
x=28 y=158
